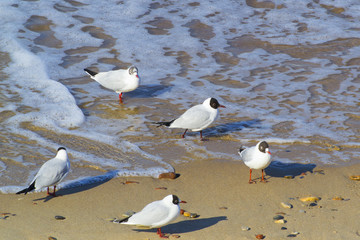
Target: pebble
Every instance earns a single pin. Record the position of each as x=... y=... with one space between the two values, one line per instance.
x=186 y=214
x=278 y=217
x=286 y=205
x=289 y=176
x=293 y=234
x=355 y=178
x=259 y=236
x=169 y=175
x=58 y=217
x=194 y=215
x=223 y=208
x=283 y=228
x=338 y=198
x=245 y=228
x=280 y=221
x=175 y=235
x=302 y=211
x=51 y=238
x=309 y=199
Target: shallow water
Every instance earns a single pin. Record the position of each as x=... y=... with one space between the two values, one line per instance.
x=288 y=72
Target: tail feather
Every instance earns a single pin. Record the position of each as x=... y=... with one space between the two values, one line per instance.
x=123 y=220
x=167 y=124
x=242 y=148
x=29 y=189
x=91 y=73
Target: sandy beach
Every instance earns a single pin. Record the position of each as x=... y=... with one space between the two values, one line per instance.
x=219 y=193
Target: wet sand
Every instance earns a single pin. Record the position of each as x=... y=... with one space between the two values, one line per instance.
x=218 y=192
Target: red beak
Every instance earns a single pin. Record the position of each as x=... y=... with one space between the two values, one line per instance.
x=183 y=202
x=222 y=106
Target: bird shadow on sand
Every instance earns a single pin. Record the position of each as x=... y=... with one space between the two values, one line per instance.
x=80 y=185
x=187 y=225
x=149 y=90
x=280 y=169
x=227 y=128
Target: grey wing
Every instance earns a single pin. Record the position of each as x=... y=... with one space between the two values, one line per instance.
x=51 y=173
x=150 y=215
x=246 y=154
x=193 y=118
x=111 y=79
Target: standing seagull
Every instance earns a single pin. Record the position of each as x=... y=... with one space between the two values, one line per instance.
x=51 y=173
x=256 y=157
x=156 y=214
x=119 y=80
x=196 y=118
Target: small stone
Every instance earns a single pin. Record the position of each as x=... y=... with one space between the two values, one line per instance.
x=286 y=205
x=223 y=208
x=52 y=238
x=186 y=214
x=312 y=204
x=58 y=217
x=283 y=228
x=289 y=176
x=338 y=198
x=302 y=211
x=169 y=175
x=278 y=217
x=259 y=236
x=291 y=235
x=355 y=178
x=245 y=228
x=309 y=199
x=175 y=235
x=295 y=233
x=280 y=221
x=194 y=215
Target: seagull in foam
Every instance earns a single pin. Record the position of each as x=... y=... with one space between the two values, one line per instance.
x=156 y=214
x=256 y=157
x=196 y=118
x=119 y=81
x=51 y=173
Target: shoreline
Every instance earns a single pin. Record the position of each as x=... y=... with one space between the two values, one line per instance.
x=219 y=193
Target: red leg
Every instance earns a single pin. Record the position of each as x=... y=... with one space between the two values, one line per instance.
x=251 y=181
x=262 y=176
x=183 y=136
x=161 y=234
x=53 y=193
x=201 y=136
x=120 y=98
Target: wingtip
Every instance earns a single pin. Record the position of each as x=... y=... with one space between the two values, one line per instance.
x=91 y=73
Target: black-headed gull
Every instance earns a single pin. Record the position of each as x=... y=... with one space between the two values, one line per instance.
x=196 y=118
x=119 y=81
x=51 y=173
x=156 y=214
x=256 y=157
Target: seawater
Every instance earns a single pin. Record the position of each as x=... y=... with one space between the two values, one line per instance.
x=287 y=71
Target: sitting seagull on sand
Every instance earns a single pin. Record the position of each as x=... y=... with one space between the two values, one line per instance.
x=119 y=81
x=156 y=214
x=196 y=118
x=51 y=173
x=256 y=157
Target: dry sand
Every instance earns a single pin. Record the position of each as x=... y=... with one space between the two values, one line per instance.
x=219 y=192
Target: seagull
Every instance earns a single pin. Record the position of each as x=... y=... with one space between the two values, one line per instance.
x=256 y=157
x=119 y=81
x=196 y=118
x=156 y=214
x=51 y=173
